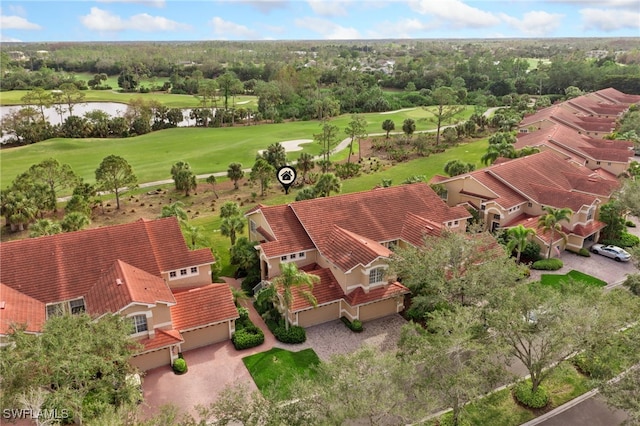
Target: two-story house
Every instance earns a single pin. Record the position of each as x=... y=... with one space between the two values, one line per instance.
x=515 y=192
x=141 y=270
x=347 y=240
x=614 y=156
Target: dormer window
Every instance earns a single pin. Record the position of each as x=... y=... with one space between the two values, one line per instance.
x=74 y=306
x=139 y=323
x=183 y=273
x=376 y=276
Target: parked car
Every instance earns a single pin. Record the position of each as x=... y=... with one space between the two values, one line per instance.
x=614 y=252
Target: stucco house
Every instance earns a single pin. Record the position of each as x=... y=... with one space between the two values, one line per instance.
x=346 y=240
x=141 y=270
x=613 y=156
x=515 y=192
x=593 y=114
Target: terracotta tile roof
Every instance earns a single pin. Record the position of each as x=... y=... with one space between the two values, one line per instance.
x=590 y=105
x=347 y=249
x=506 y=196
x=415 y=228
x=359 y=297
x=19 y=309
x=565 y=140
x=202 y=306
x=614 y=95
x=123 y=284
x=327 y=290
x=378 y=214
x=64 y=266
x=549 y=180
x=528 y=221
x=588 y=229
x=559 y=114
x=162 y=339
x=290 y=236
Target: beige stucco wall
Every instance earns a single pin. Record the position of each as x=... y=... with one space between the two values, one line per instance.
x=274 y=263
x=205 y=336
x=319 y=315
x=467 y=184
x=378 y=309
x=202 y=278
x=259 y=220
x=614 y=167
x=151 y=360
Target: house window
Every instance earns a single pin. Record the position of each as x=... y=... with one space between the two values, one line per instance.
x=57 y=309
x=183 y=272
x=139 y=323
x=598 y=163
x=252 y=225
x=292 y=256
x=76 y=306
x=194 y=269
x=376 y=275
x=529 y=205
x=173 y=274
x=590 y=213
x=302 y=255
x=283 y=258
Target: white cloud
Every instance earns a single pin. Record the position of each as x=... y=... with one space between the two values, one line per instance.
x=227 y=28
x=610 y=19
x=329 y=30
x=405 y=28
x=455 y=12
x=17 y=10
x=102 y=20
x=151 y=3
x=535 y=23
x=633 y=4
x=328 y=7
x=14 y=22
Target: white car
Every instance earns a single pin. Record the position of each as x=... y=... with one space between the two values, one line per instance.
x=614 y=252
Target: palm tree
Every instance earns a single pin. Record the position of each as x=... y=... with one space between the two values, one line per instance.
x=235 y=173
x=327 y=183
x=305 y=165
x=502 y=149
x=527 y=150
x=551 y=222
x=239 y=296
x=231 y=226
x=290 y=276
x=194 y=236
x=43 y=227
x=230 y=208
x=518 y=238
x=74 y=221
x=211 y=179
x=175 y=209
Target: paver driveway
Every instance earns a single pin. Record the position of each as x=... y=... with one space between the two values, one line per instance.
x=214 y=367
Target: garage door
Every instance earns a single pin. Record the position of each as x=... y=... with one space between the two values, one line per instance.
x=377 y=309
x=319 y=315
x=205 y=336
x=151 y=360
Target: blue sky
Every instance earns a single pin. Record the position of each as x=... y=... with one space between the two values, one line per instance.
x=155 y=20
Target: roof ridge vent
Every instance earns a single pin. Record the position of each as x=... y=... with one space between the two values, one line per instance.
x=118 y=281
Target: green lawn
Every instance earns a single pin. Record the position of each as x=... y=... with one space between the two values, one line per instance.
x=279 y=367
x=554 y=280
x=206 y=149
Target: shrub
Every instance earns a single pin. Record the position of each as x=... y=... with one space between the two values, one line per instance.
x=547 y=264
x=633 y=283
x=582 y=252
x=294 y=335
x=355 y=325
x=447 y=420
x=531 y=251
x=179 y=366
x=243 y=312
x=248 y=337
x=630 y=224
x=593 y=366
x=524 y=395
x=626 y=240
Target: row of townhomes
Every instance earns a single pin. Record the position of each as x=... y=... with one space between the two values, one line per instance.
x=144 y=270
x=575 y=168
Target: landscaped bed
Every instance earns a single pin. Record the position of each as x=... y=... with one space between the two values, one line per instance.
x=554 y=280
x=279 y=367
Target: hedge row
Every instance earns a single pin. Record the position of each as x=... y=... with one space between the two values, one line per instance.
x=355 y=325
x=547 y=264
